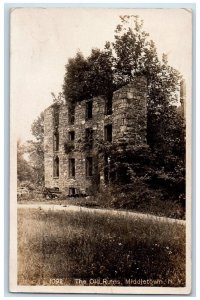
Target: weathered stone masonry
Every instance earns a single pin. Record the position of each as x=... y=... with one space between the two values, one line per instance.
x=70 y=141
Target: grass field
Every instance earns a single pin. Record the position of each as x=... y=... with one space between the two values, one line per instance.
x=156 y=207
x=67 y=246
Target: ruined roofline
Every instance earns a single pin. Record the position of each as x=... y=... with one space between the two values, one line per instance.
x=77 y=102
x=53 y=105
x=137 y=79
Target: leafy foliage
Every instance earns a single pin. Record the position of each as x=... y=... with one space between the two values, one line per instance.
x=37 y=128
x=59 y=99
x=138 y=175
x=87 y=78
x=24 y=170
x=35 y=149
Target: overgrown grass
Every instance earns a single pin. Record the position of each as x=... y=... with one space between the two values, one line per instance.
x=157 y=207
x=82 y=245
x=80 y=201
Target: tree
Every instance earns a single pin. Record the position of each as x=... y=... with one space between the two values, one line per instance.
x=59 y=99
x=135 y=54
x=131 y=47
x=24 y=170
x=37 y=128
x=100 y=73
x=75 y=87
x=89 y=77
x=35 y=150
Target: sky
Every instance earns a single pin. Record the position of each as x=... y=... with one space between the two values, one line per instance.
x=42 y=41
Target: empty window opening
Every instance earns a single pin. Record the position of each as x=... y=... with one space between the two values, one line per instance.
x=71 y=115
x=56 y=167
x=71 y=136
x=108 y=106
x=88 y=113
x=89 y=166
x=56 y=116
x=108 y=133
x=89 y=138
x=72 y=191
x=72 y=167
x=56 y=141
x=106 y=168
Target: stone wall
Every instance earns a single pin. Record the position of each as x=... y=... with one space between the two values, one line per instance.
x=130 y=113
x=48 y=145
x=128 y=120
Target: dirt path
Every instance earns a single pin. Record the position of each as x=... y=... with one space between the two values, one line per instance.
x=129 y=214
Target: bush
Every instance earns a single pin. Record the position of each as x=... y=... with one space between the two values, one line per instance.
x=139 y=197
x=129 y=196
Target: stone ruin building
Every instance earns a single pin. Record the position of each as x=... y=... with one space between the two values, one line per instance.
x=71 y=135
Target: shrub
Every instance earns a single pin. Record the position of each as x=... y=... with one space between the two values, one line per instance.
x=139 y=197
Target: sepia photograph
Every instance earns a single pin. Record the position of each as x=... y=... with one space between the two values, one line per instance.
x=100 y=176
